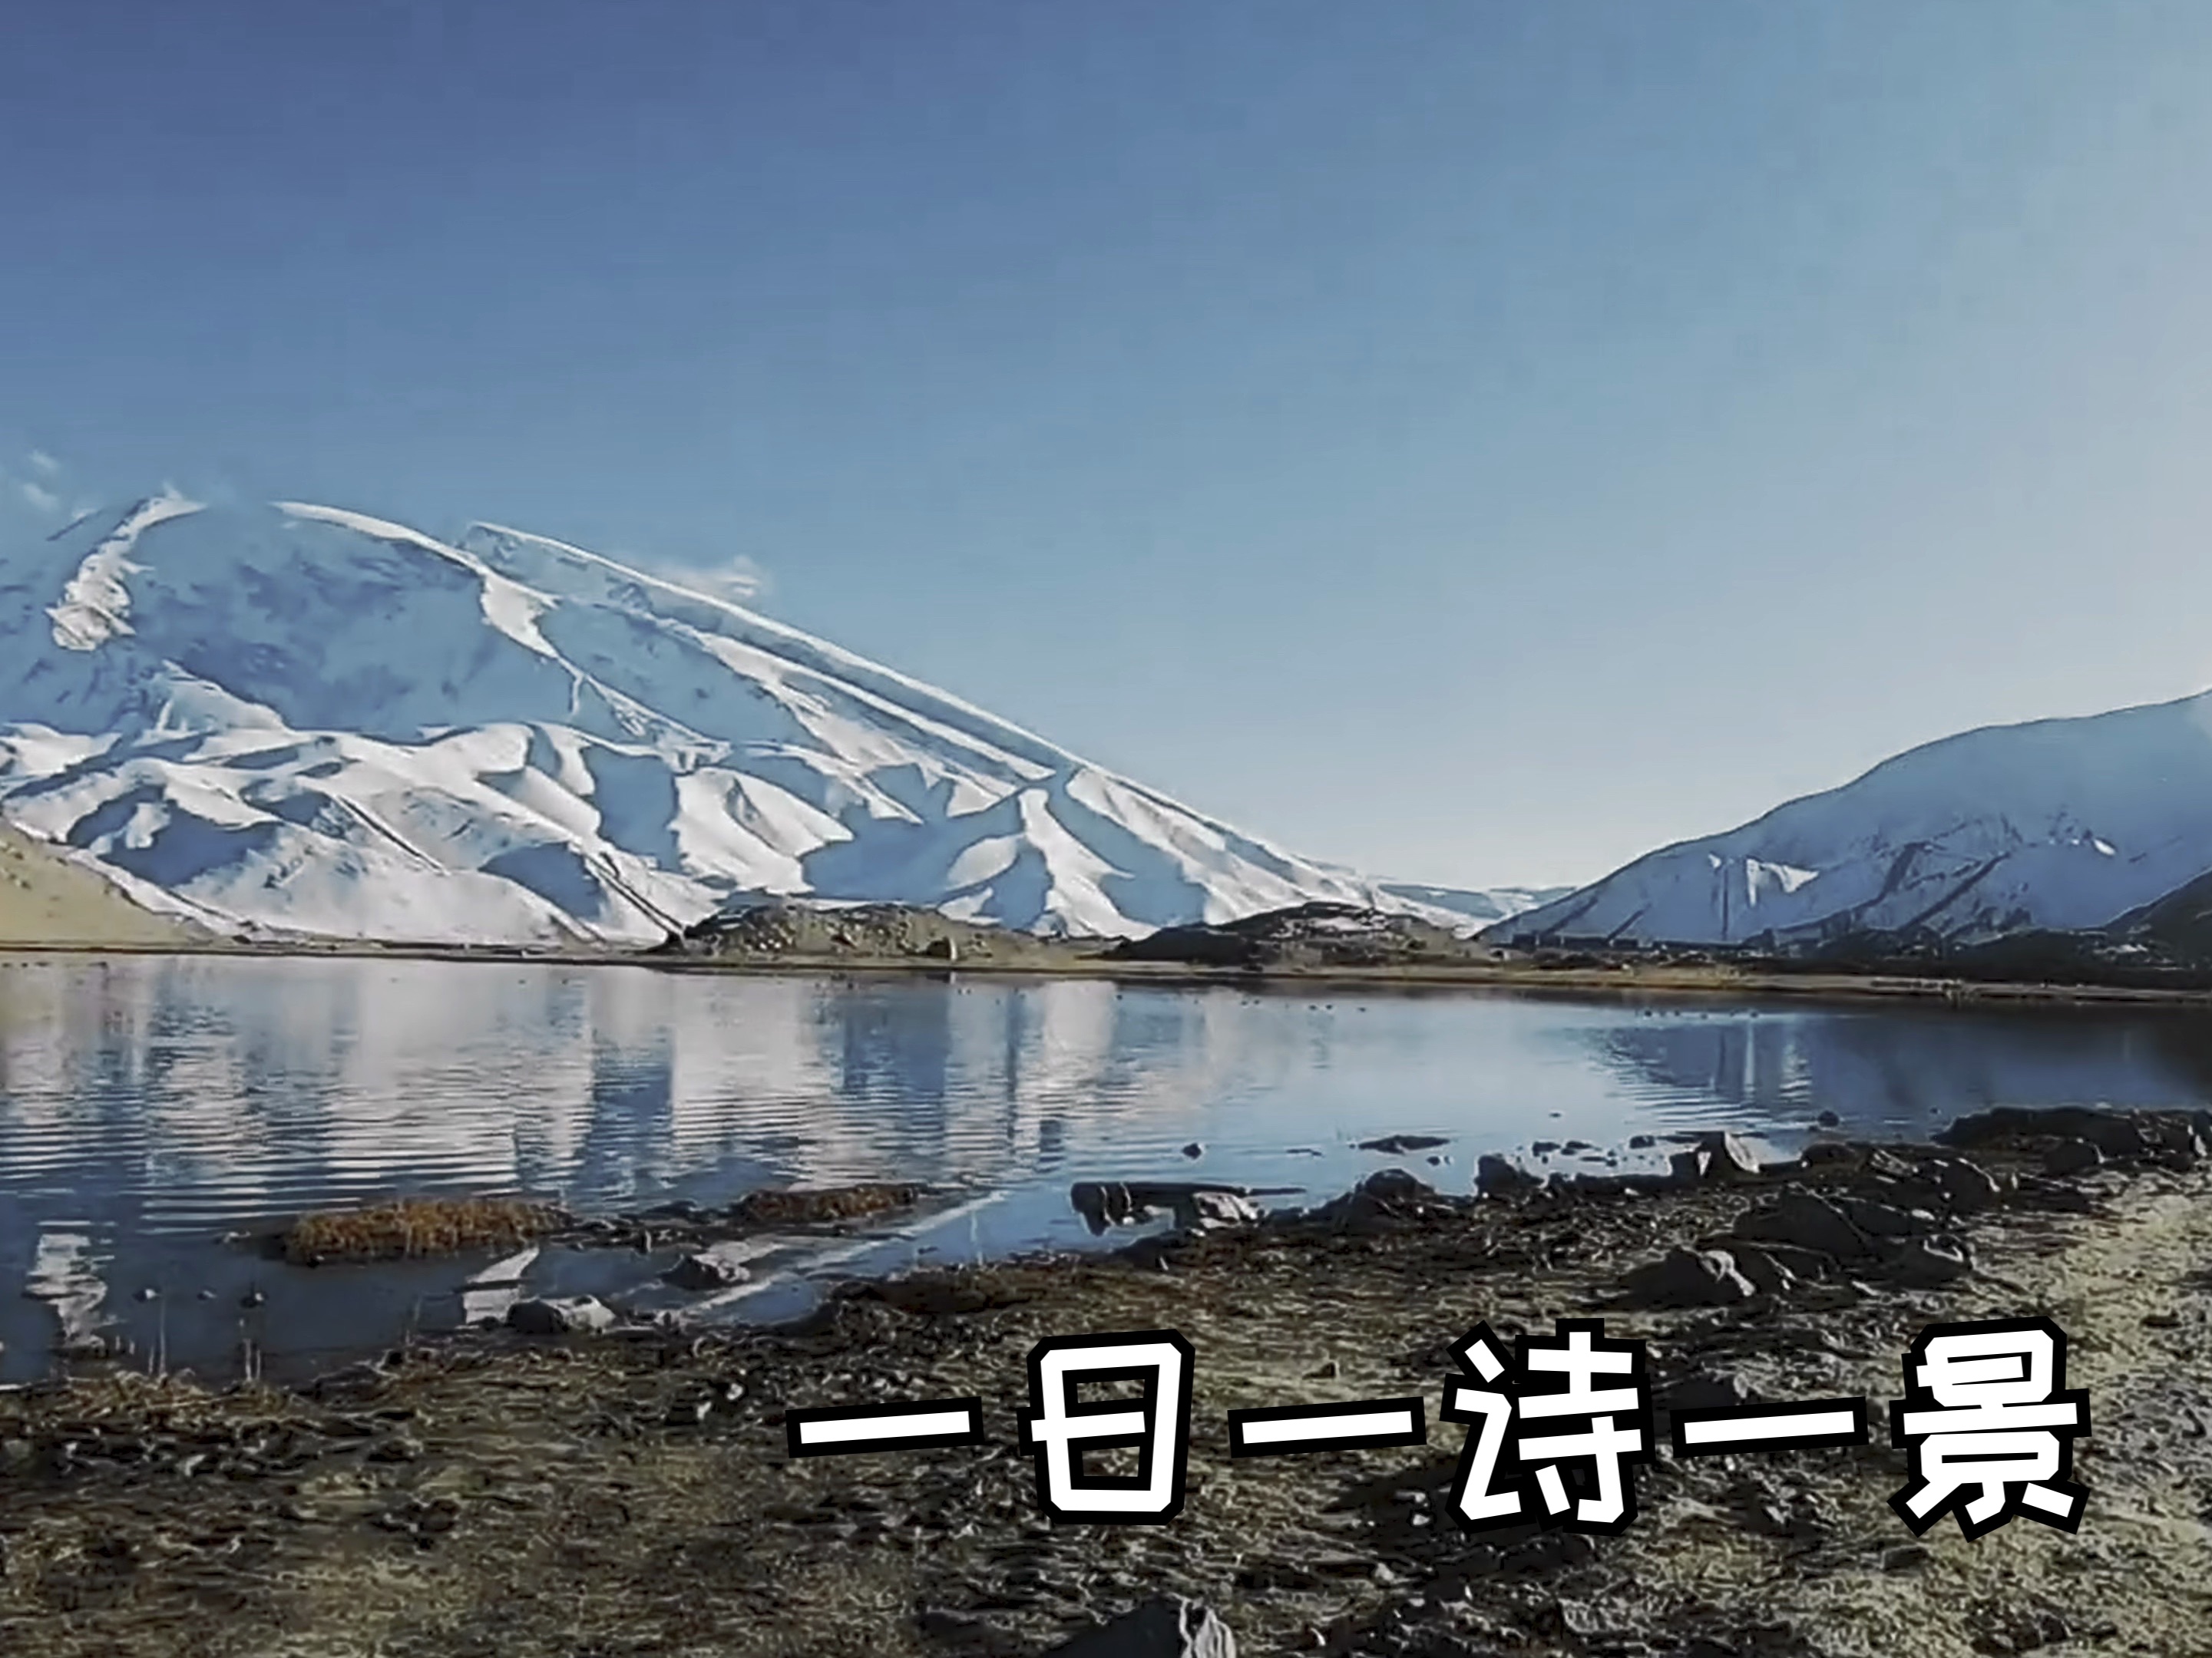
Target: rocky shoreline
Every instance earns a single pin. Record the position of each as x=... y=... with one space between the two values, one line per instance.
x=629 y=1493
x=1580 y=978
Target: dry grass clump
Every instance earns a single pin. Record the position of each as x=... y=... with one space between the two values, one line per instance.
x=406 y=1227
x=811 y=1208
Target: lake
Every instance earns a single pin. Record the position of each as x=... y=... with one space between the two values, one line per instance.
x=152 y=1106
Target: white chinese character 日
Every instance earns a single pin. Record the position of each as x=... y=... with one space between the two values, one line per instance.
x=1990 y=1426
x=1057 y=1430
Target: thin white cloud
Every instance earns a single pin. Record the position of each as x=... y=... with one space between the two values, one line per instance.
x=740 y=579
x=43 y=462
x=43 y=500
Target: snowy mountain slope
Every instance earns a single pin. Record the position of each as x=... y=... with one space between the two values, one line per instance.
x=1480 y=908
x=302 y=721
x=2059 y=824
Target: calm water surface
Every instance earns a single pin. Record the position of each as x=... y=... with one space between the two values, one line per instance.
x=148 y=1106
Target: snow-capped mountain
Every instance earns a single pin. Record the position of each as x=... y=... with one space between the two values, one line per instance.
x=2059 y=824
x=302 y=721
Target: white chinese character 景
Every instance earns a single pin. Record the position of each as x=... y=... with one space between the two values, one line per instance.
x=1509 y=1472
x=1990 y=1426
x=1058 y=1430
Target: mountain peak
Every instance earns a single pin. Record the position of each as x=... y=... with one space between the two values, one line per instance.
x=2060 y=824
x=311 y=719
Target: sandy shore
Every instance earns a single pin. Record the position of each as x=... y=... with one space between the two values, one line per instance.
x=494 y=1495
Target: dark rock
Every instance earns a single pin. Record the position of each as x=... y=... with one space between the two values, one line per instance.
x=1613 y=1186
x=1115 y=1203
x=1801 y=1263
x=1494 y=1176
x=549 y=1316
x=2179 y=1144
x=1881 y=1220
x=1699 y=1390
x=1381 y=1201
x=1641 y=1142
x=1730 y=1158
x=1203 y=1210
x=1808 y=1223
x=1688 y=1278
x=1928 y=1263
x=1153 y=1254
x=1827 y=1151
x=1967 y=1187
x=1396 y=1186
x=1909 y=1193
x=1194 y=1150
x=1548 y=1551
x=961 y=1631
x=2071 y=1157
x=1162 y=1628
x=1828 y=1120
x=1543 y=1148
x=708 y=1269
x=2114 y=1135
x=1762 y=1266
x=1397 y=1145
x=1108 y=1203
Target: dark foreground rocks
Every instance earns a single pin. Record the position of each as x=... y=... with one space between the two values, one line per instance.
x=1165 y=1628
x=630 y=1493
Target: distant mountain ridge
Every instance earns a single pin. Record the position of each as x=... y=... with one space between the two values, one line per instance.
x=2056 y=825
x=299 y=720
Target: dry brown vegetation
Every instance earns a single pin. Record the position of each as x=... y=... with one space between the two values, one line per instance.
x=812 y=1208
x=406 y=1227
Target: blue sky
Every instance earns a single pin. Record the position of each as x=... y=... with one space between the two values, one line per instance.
x=1477 y=442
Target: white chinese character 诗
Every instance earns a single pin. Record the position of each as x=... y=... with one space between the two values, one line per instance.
x=1618 y=1434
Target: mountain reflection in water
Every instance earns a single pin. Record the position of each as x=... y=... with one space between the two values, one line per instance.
x=150 y=1105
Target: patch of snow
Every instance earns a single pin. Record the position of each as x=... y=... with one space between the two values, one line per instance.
x=95 y=606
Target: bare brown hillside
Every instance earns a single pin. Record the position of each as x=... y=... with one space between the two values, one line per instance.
x=47 y=898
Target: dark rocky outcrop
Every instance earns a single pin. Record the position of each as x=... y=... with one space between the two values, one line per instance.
x=1164 y=1628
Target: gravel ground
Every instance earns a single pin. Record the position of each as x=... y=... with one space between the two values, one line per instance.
x=491 y=1495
